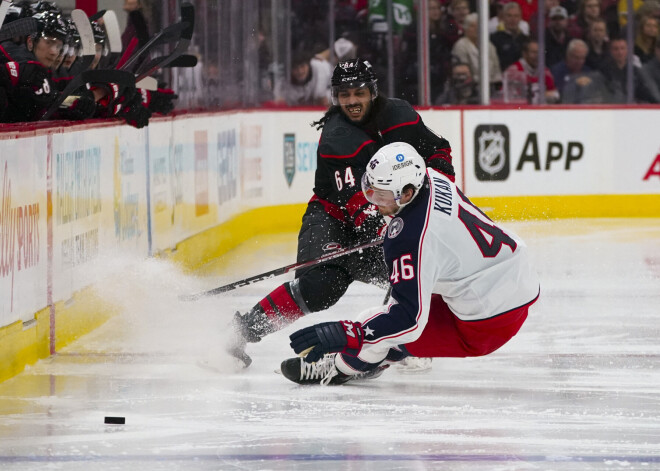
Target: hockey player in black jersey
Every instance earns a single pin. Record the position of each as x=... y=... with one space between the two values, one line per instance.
x=359 y=122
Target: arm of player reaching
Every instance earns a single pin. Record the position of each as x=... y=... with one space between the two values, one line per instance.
x=435 y=149
x=399 y=323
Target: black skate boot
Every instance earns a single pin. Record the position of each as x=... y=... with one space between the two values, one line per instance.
x=248 y=328
x=323 y=372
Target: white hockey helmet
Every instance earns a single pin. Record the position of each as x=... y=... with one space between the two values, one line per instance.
x=392 y=168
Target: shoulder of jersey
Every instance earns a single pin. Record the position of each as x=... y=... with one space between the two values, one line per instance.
x=396 y=112
x=340 y=139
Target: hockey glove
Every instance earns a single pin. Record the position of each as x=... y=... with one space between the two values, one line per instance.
x=441 y=161
x=83 y=108
x=129 y=107
x=160 y=101
x=365 y=215
x=328 y=337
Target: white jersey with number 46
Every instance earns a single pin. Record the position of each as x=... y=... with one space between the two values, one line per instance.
x=443 y=244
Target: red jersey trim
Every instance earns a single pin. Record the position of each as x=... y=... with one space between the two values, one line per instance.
x=409 y=123
x=328 y=156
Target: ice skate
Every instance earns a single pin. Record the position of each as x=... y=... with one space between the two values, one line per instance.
x=323 y=372
x=414 y=365
x=239 y=340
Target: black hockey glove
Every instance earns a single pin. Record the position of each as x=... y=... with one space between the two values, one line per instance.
x=328 y=337
x=160 y=101
x=129 y=107
x=441 y=161
x=365 y=215
x=83 y=107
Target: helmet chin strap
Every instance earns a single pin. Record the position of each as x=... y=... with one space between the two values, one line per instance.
x=403 y=205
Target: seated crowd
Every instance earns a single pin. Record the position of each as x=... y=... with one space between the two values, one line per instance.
x=585 y=53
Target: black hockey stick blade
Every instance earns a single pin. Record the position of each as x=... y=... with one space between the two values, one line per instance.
x=184 y=61
x=20 y=27
x=281 y=271
x=169 y=34
x=97 y=15
x=187 y=18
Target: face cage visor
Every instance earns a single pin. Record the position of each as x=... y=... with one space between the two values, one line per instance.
x=51 y=43
x=335 y=89
x=377 y=196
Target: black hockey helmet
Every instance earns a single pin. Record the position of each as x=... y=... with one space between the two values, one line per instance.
x=51 y=25
x=353 y=73
x=16 y=12
x=100 y=38
x=73 y=44
x=42 y=6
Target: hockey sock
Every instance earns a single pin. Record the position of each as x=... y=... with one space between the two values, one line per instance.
x=280 y=306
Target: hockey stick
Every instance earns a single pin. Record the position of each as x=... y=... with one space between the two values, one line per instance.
x=114 y=36
x=281 y=271
x=184 y=61
x=168 y=34
x=188 y=19
x=4 y=8
x=20 y=27
x=84 y=28
x=148 y=83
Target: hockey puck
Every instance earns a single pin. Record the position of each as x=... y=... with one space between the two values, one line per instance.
x=115 y=420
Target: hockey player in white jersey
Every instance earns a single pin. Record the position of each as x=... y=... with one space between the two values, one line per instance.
x=461 y=285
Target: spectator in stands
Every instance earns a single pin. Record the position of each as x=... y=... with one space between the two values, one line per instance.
x=496 y=23
x=652 y=67
x=508 y=42
x=556 y=36
x=460 y=89
x=588 y=12
x=309 y=83
x=466 y=51
x=136 y=24
x=443 y=33
x=458 y=10
x=534 y=23
x=640 y=8
x=598 y=43
x=528 y=8
x=616 y=76
x=520 y=80
x=647 y=34
x=573 y=65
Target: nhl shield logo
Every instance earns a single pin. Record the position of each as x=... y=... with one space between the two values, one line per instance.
x=491 y=152
x=289 y=157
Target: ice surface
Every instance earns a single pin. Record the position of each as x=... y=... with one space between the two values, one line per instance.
x=577 y=388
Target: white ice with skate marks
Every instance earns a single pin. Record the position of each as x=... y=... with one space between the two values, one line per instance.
x=577 y=388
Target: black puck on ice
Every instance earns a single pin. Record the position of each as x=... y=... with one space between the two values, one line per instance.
x=115 y=420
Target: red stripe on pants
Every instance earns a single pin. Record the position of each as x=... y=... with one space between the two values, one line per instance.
x=445 y=335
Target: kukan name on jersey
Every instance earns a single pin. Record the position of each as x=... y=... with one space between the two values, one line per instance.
x=442 y=196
